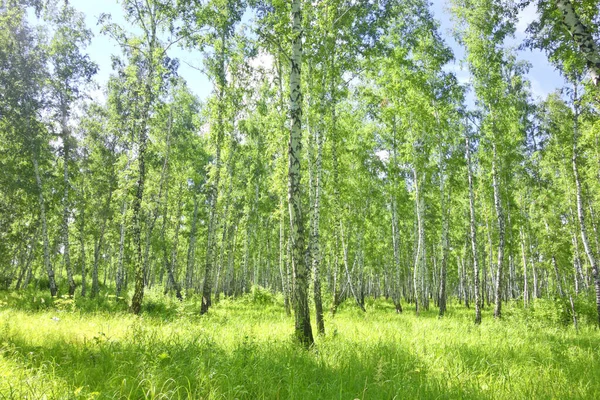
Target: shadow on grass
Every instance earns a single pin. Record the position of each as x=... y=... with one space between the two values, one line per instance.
x=141 y=366
x=500 y=359
x=538 y=364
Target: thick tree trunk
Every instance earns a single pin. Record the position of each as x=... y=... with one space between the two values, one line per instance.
x=149 y=96
x=303 y=330
x=283 y=261
x=583 y=38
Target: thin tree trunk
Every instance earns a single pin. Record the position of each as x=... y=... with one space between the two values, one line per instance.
x=580 y=212
x=525 y=283
x=120 y=270
x=170 y=264
x=100 y=242
x=536 y=281
x=138 y=296
x=573 y=313
x=348 y=273
x=594 y=228
x=444 y=214
x=29 y=272
x=218 y=287
x=500 y=220
x=66 y=212
x=207 y=286
x=577 y=273
x=419 y=258
x=396 y=286
x=191 y=255
x=226 y=227
x=315 y=250
x=26 y=273
x=473 y=230
x=82 y=251
x=282 y=267
x=47 y=264
x=149 y=94
x=175 y=247
x=559 y=287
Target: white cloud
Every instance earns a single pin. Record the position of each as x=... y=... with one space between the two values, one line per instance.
x=384 y=155
x=461 y=73
x=263 y=60
x=537 y=89
x=526 y=16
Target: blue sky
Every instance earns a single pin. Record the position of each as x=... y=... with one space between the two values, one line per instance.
x=544 y=78
x=102 y=47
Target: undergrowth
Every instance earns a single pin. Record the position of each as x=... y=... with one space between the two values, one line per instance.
x=243 y=349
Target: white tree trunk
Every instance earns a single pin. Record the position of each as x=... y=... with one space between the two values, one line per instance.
x=47 y=264
x=500 y=221
x=582 y=37
x=303 y=330
x=581 y=216
x=473 y=227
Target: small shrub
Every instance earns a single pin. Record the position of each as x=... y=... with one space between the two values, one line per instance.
x=65 y=303
x=260 y=295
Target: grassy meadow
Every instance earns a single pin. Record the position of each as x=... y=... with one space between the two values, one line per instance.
x=83 y=349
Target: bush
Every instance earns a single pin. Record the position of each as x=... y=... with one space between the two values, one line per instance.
x=557 y=311
x=261 y=296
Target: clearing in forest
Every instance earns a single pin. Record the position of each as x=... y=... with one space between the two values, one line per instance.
x=243 y=349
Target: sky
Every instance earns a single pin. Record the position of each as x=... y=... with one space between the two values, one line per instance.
x=543 y=77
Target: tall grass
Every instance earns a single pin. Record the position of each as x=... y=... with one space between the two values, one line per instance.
x=84 y=349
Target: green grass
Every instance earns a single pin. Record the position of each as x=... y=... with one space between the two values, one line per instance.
x=83 y=349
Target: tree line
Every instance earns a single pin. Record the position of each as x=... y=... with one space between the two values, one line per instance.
x=337 y=155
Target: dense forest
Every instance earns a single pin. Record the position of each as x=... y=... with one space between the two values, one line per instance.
x=336 y=158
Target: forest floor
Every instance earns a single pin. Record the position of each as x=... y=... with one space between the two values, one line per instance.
x=243 y=349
